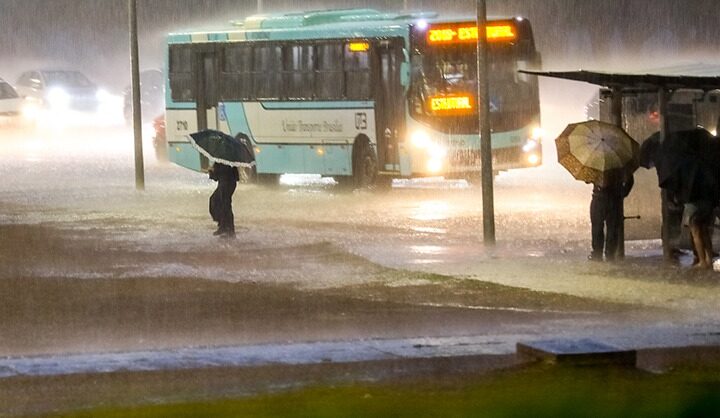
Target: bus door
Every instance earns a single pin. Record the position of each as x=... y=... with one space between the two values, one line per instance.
x=206 y=88
x=389 y=103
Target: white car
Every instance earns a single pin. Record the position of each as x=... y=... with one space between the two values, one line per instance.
x=10 y=104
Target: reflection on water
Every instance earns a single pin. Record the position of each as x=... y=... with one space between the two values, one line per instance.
x=428 y=249
x=429 y=230
x=431 y=210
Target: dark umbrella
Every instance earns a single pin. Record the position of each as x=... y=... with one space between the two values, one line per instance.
x=686 y=163
x=222 y=148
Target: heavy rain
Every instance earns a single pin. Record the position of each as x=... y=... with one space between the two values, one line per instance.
x=102 y=280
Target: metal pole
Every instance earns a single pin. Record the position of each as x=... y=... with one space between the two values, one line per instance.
x=259 y=6
x=137 y=115
x=616 y=118
x=664 y=203
x=405 y=4
x=483 y=106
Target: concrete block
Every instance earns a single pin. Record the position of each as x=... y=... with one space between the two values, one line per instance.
x=578 y=352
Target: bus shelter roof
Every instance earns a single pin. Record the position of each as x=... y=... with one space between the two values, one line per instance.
x=696 y=77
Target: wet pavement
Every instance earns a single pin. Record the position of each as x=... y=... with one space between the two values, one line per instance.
x=95 y=275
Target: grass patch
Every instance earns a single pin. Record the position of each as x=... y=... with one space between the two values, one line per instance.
x=539 y=391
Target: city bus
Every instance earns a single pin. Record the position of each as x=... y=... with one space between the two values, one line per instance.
x=358 y=95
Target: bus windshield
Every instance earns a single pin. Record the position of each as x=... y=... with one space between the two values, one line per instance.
x=451 y=71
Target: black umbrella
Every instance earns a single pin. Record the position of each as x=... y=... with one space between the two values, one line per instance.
x=222 y=148
x=686 y=164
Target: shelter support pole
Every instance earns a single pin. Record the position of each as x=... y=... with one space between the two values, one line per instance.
x=664 y=129
x=483 y=105
x=616 y=118
x=137 y=115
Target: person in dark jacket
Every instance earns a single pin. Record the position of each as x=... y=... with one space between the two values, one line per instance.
x=606 y=214
x=221 y=199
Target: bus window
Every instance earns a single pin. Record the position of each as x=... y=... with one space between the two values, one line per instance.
x=357 y=71
x=299 y=71
x=181 y=73
x=267 y=71
x=329 y=76
x=236 y=73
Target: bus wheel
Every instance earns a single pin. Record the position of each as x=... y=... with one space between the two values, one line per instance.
x=345 y=182
x=365 y=168
x=268 y=180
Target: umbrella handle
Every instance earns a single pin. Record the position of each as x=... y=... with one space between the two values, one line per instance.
x=632 y=217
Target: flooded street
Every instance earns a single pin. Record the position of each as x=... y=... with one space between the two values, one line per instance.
x=89 y=264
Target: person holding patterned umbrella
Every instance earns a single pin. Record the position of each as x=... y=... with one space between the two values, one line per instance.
x=606 y=214
x=606 y=156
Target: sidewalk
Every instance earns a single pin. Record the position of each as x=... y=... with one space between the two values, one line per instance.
x=339 y=352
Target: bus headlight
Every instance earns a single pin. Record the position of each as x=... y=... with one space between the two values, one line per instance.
x=420 y=139
x=435 y=165
x=530 y=145
x=437 y=151
x=533 y=159
x=538 y=133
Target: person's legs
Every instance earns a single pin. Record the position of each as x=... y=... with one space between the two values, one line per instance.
x=612 y=221
x=707 y=243
x=227 y=219
x=698 y=241
x=597 y=221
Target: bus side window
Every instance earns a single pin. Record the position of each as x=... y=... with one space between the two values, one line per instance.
x=357 y=74
x=329 y=75
x=267 y=71
x=236 y=74
x=299 y=71
x=181 y=73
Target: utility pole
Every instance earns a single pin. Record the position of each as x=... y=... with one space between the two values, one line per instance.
x=137 y=114
x=483 y=106
x=616 y=119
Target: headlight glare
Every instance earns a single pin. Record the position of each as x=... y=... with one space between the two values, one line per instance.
x=538 y=133
x=420 y=139
x=58 y=98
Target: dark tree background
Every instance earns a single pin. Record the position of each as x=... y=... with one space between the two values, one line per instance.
x=92 y=34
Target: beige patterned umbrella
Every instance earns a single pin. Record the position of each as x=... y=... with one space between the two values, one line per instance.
x=592 y=150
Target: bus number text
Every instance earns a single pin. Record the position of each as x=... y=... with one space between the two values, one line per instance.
x=361 y=121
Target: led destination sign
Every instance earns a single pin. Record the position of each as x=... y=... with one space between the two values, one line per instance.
x=456 y=104
x=461 y=33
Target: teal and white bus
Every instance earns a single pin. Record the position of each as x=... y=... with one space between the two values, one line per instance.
x=358 y=95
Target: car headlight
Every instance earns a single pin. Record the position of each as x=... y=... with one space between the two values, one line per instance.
x=58 y=98
x=103 y=96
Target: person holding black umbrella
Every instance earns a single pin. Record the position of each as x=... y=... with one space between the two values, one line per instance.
x=227 y=154
x=221 y=199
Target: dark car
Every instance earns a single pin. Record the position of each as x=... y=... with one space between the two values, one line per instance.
x=61 y=90
x=152 y=96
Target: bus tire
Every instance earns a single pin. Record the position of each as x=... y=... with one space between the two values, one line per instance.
x=267 y=180
x=345 y=182
x=365 y=167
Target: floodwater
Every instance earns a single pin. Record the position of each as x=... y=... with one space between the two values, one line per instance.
x=89 y=264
